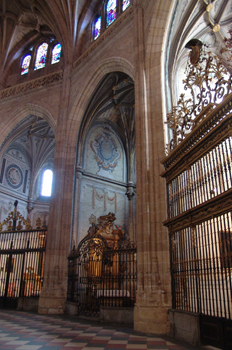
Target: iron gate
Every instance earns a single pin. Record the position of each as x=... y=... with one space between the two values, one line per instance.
x=22 y=256
x=201 y=260
x=101 y=276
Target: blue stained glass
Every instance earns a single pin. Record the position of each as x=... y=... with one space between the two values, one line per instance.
x=125 y=4
x=111 y=11
x=25 y=64
x=56 y=52
x=97 y=27
x=41 y=56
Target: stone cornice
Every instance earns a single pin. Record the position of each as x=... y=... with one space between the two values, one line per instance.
x=32 y=84
x=113 y=27
x=99 y=178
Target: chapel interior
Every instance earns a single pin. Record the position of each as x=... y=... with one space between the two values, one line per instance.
x=116 y=162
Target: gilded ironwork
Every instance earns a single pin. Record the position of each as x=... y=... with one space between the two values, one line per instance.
x=207 y=82
x=198 y=171
x=102 y=270
x=15 y=216
x=23 y=224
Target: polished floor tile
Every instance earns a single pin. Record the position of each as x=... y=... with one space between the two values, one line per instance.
x=28 y=331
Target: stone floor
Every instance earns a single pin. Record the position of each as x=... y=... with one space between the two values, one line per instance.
x=28 y=331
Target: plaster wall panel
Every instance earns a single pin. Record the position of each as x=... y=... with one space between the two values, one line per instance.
x=97 y=199
x=7 y=206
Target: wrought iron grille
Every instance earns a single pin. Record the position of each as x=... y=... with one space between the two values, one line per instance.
x=100 y=276
x=209 y=176
x=201 y=260
x=22 y=256
x=207 y=83
x=199 y=187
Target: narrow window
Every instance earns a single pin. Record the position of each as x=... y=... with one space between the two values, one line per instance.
x=125 y=4
x=56 y=52
x=41 y=56
x=25 y=64
x=47 y=183
x=97 y=27
x=111 y=12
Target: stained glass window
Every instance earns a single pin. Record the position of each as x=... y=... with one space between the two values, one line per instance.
x=97 y=27
x=111 y=11
x=25 y=64
x=125 y=4
x=56 y=52
x=41 y=56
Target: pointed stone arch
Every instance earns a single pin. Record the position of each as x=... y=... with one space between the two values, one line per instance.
x=17 y=115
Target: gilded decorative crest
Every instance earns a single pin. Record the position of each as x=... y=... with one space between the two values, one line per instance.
x=207 y=82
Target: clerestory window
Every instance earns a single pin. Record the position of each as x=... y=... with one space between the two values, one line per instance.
x=97 y=27
x=111 y=12
x=56 y=53
x=25 y=64
x=125 y=4
x=41 y=56
x=46 y=188
x=107 y=14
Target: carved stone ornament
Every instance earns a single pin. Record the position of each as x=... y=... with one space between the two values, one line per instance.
x=31 y=84
x=195 y=46
x=106 y=152
x=14 y=176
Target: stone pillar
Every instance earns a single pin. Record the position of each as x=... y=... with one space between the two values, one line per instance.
x=131 y=212
x=153 y=289
x=54 y=290
x=76 y=207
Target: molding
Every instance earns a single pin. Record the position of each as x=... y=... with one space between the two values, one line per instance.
x=101 y=179
x=32 y=84
x=207 y=143
x=108 y=31
x=214 y=207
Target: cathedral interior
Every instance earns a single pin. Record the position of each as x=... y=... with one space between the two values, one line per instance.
x=116 y=162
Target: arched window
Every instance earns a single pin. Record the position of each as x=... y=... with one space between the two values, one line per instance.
x=56 y=52
x=46 y=188
x=25 y=64
x=41 y=56
x=111 y=12
x=125 y=4
x=97 y=27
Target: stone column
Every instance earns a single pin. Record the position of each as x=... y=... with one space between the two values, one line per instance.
x=150 y=313
x=54 y=290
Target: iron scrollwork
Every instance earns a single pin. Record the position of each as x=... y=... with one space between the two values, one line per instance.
x=207 y=82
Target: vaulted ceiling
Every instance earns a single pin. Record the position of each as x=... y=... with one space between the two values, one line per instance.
x=207 y=20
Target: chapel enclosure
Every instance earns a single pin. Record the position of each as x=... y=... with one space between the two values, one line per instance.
x=102 y=272
x=198 y=171
x=22 y=255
